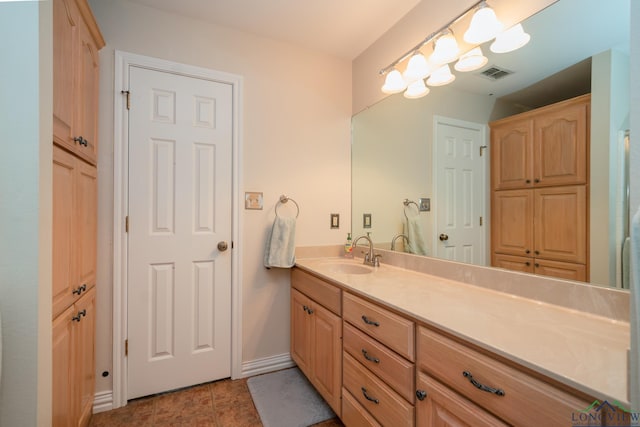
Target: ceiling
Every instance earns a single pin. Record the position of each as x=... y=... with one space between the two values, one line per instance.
x=338 y=27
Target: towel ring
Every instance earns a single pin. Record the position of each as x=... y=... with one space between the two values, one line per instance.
x=407 y=203
x=284 y=199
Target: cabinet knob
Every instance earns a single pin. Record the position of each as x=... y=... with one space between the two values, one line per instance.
x=527 y=263
x=527 y=251
x=421 y=394
x=536 y=265
x=537 y=180
x=528 y=181
x=536 y=252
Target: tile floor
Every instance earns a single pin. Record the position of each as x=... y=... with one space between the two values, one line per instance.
x=224 y=403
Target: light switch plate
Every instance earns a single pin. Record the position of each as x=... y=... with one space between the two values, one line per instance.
x=253 y=200
x=425 y=204
x=366 y=220
x=335 y=220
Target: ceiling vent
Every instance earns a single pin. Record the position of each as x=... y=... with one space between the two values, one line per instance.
x=495 y=73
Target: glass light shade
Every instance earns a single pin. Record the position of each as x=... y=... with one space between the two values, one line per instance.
x=484 y=26
x=417 y=68
x=394 y=83
x=445 y=49
x=440 y=77
x=471 y=60
x=510 y=40
x=416 y=90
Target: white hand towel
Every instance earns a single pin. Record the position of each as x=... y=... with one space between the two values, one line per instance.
x=415 y=240
x=280 y=247
x=635 y=313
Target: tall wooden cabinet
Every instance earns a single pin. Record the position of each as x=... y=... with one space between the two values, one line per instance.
x=76 y=41
x=539 y=195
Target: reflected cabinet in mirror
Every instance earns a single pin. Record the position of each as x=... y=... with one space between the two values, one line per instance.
x=525 y=171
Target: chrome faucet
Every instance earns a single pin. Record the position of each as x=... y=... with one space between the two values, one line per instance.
x=393 y=241
x=369 y=258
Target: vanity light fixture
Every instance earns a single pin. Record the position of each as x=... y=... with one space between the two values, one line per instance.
x=417 y=68
x=471 y=60
x=394 y=83
x=416 y=90
x=442 y=76
x=484 y=26
x=445 y=48
x=510 y=40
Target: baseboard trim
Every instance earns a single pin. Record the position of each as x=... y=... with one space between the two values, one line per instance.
x=103 y=401
x=266 y=364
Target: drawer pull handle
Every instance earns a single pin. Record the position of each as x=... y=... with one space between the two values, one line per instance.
x=421 y=394
x=369 y=322
x=79 y=316
x=369 y=398
x=482 y=387
x=370 y=358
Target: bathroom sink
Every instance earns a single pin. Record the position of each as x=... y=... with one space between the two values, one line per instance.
x=348 y=268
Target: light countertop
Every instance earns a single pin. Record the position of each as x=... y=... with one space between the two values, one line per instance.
x=585 y=351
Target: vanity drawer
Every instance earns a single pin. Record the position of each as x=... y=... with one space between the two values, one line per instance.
x=391 y=368
x=386 y=406
x=392 y=330
x=527 y=401
x=353 y=414
x=317 y=289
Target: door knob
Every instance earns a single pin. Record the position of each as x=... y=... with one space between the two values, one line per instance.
x=444 y=237
x=223 y=246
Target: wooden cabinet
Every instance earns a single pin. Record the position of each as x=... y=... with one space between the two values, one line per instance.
x=563 y=270
x=494 y=387
x=379 y=373
x=316 y=339
x=539 y=188
x=76 y=41
x=73 y=363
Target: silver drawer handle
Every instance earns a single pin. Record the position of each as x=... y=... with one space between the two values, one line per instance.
x=369 y=322
x=369 y=398
x=480 y=386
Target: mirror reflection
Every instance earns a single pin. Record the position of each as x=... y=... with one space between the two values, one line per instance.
x=403 y=191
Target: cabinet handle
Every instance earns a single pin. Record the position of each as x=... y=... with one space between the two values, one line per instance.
x=369 y=398
x=482 y=387
x=369 y=322
x=79 y=316
x=528 y=181
x=527 y=251
x=80 y=289
x=421 y=394
x=370 y=358
x=536 y=180
x=310 y=311
x=527 y=263
x=536 y=265
x=536 y=252
x=78 y=139
x=305 y=308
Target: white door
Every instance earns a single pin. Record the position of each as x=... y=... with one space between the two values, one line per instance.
x=460 y=180
x=179 y=278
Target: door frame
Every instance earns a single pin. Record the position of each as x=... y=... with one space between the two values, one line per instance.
x=123 y=61
x=486 y=201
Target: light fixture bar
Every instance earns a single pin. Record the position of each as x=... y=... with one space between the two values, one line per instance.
x=430 y=37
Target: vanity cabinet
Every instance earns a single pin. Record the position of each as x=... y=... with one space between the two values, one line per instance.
x=539 y=203
x=316 y=334
x=469 y=387
x=76 y=41
x=378 y=363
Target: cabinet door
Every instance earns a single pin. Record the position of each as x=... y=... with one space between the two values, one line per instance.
x=64 y=231
x=86 y=218
x=87 y=107
x=560 y=223
x=512 y=154
x=511 y=262
x=563 y=270
x=62 y=370
x=301 y=332
x=326 y=348
x=442 y=407
x=65 y=39
x=560 y=146
x=84 y=329
x=512 y=222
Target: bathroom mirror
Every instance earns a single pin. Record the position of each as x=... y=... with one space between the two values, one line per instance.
x=394 y=156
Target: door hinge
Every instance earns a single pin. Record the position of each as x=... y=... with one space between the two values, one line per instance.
x=232 y=244
x=481 y=221
x=126 y=224
x=126 y=347
x=482 y=147
x=128 y=94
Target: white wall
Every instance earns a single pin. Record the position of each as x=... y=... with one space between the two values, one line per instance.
x=25 y=213
x=296 y=141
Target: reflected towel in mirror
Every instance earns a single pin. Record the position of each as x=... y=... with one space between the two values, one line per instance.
x=280 y=247
x=413 y=230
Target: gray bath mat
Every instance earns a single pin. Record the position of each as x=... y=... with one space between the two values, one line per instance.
x=287 y=399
